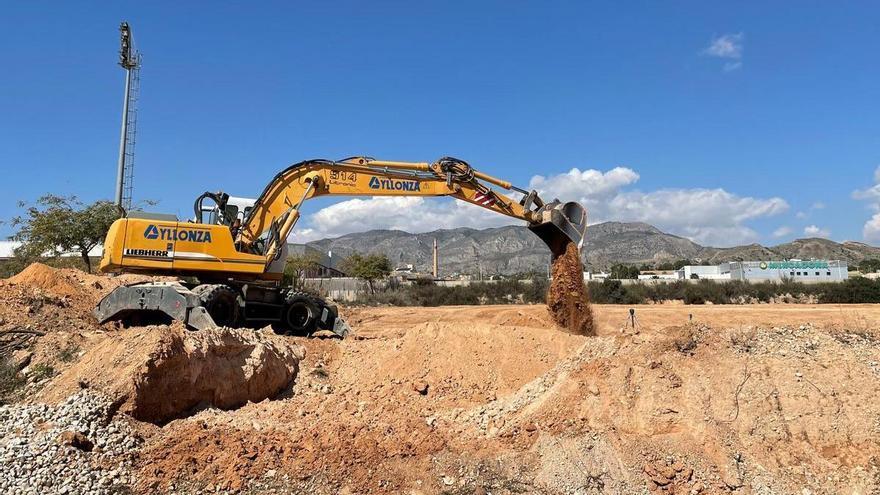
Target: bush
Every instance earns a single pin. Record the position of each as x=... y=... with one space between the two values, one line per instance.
x=853 y=290
x=426 y=293
x=10 y=380
x=69 y=353
x=42 y=371
x=613 y=292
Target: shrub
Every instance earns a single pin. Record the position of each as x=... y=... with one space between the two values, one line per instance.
x=42 y=371
x=10 y=380
x=69 y=353
x=853 y=290
x=425 y=293
x=613 y=292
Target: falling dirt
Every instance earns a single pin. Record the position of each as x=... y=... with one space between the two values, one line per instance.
x=567 y=298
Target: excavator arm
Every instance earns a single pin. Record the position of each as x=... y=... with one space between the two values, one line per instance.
x=277 y=209
x=238 y=263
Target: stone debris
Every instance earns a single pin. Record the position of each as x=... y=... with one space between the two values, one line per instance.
x=72 y=448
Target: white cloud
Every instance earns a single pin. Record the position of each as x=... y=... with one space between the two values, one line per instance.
x=729 y=47
x=410 y=214
x=814 y=231
x=783 y=231
x=872 y=194
x=708 y=216
x=731 y=66
x=801 y=215
x=871 y=229
x=726 y=46
x=818 y=205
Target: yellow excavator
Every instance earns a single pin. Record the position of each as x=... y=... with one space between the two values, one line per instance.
x=231 y=263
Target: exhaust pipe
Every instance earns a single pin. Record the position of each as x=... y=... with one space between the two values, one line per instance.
x=558 y=224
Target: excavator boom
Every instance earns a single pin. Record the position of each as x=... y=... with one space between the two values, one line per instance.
x=239 y=261
x=276 y=209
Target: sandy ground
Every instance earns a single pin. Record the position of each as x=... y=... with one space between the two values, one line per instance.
x=761 y=399
x=611 y=318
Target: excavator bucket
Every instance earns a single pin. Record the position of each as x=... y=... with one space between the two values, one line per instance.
x=559 y=224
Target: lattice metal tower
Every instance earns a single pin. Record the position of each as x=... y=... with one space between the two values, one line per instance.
x=130 y=60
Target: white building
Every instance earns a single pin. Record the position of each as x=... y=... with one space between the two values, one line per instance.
x=775 y=271
x=658 y=275
x=706 y=272
x=795 y=270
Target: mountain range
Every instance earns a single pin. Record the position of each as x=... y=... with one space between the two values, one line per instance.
x=513 y=249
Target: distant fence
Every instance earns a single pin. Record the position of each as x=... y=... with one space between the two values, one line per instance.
x=343 y=288
x=349 y=288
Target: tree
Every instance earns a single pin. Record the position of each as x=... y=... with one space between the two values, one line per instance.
x=58 y=225
x=296 y=267
x=621 y=271
x=368 y=268
x=869 y=265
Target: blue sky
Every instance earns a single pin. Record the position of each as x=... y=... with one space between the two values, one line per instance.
x=723 y=122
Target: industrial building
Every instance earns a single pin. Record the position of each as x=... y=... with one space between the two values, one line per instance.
x=774 y=271
x=796 y=270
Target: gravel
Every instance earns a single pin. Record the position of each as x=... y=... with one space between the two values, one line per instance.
x=35 y=461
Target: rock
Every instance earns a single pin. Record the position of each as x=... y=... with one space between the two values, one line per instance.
x=420 y=387
x=36 y=436
x=76 y=440
x=593 y=389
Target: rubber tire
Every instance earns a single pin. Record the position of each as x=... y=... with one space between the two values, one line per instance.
x=221 y=302
x=301 y=313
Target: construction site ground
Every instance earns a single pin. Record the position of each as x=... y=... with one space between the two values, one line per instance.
x=765 y=399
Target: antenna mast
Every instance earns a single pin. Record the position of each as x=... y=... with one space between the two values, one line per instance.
x=130 y=60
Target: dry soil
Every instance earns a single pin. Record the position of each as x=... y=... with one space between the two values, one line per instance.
x=761 y=399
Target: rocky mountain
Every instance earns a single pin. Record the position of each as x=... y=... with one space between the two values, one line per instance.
x=512 y=249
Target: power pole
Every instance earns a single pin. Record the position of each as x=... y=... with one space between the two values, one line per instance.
x=436 y=261
x=130 y=60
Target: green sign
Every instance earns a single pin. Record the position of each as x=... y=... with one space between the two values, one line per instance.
x=794 y=265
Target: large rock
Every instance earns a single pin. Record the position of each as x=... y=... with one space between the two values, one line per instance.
x=160 y=373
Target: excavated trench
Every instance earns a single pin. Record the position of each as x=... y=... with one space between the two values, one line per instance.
x=220 y=368
x=158 y=374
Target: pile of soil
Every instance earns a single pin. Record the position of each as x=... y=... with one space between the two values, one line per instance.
x=567 y=298
x=484 y=399
x=161 y=373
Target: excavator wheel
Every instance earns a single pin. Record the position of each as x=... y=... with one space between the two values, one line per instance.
x=301 y=313
x=221 y=302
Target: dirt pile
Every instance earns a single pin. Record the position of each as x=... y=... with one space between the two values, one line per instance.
x=160 y=373
x=454 y=406
x=567 y=298
x=755 y=399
